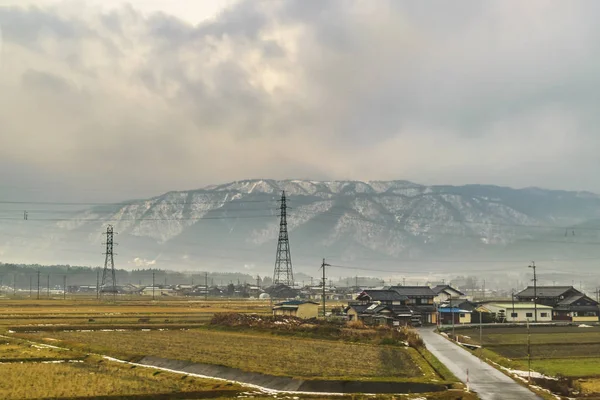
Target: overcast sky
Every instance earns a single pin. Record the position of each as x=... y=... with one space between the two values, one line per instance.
x=102 y=100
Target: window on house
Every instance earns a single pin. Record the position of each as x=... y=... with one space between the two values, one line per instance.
x=417 y=301
x=462 y=315
x=529 y=315
x=544 y=314
x=514 y=315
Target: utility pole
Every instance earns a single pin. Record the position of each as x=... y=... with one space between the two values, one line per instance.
x=513 y=305
x=356 y=281
x=480 y=335
x=453 y=336
x=323 y=265
x=38 y=276
x=528 y=351
x=483 y=290
x=98 y=285
x=597 y=295
x=64 y=287
x=205 y=286
x=152 y=285
x=534 y=290
x=403 y=281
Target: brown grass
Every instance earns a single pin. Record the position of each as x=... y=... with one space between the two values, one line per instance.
x=286 y=356
x=96 y=378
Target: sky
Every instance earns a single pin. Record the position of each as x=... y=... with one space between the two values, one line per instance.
x=107 y=100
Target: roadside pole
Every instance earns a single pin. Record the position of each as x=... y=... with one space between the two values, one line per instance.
x=480 y=335
x=528 y=352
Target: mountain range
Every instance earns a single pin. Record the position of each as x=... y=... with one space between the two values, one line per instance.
x=376 y=225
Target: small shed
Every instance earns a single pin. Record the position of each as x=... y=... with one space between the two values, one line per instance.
x=460 y=316
x=297 y=308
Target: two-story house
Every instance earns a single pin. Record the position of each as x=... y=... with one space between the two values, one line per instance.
x=420 y=301
x=380 y=306
x=568 y=303
x=443 y=293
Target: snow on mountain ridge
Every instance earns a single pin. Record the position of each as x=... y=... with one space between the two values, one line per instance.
x=382 y=219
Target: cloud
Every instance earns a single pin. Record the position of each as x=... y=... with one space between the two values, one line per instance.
x=134 y=103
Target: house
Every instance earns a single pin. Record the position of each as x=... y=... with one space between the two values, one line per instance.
x=297 y=308
x=569 y=303
x=281 y=291
x=354 y=310
x=547 y=295
x=517 y=311
x=379 y=314
x=389 y=297
x=380 y=306
x=420 y=301
x=444 y=293
x=157 y=291
x=448 y=314
x=576 y=308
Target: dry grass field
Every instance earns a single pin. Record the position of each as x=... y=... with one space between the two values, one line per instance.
x=95 y=377
x=178 y=330
x=16 y=350
x=29 y=314
x=275 y=355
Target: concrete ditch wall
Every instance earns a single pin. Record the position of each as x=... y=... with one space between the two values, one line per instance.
x=281 y=383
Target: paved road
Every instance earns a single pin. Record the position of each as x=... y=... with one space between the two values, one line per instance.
x=489 y=383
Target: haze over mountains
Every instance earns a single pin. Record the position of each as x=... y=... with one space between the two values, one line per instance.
x=377 y=225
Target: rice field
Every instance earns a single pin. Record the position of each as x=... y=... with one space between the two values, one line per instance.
x=264 y=353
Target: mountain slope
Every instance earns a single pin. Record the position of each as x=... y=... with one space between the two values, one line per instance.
x=236 y=225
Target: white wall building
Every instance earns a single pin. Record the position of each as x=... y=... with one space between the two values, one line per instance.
x=148 y=291
x=522 y=312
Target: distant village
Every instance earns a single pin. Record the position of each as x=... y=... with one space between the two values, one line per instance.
x=397 y=305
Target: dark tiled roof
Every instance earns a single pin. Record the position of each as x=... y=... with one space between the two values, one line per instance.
x=461 y=303
x=359 y=308
x=573 y=299
x=546 y=291
x=570 y=300
x=295 y=302
x=440 y=288
x=422 y=308
x=382 y=295
x=375 y=310
x=414 y=291
x=401 y=310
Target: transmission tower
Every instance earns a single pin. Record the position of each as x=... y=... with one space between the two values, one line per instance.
x=109 y=262
x=283 y=261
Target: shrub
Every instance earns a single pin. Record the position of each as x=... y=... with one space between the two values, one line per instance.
x=356 y=324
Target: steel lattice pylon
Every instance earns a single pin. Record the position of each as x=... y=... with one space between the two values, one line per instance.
x=283 y=262
x=109 y=262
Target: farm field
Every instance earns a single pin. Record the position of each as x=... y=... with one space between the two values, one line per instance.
x=16 y=350
x=180 y=329
x=296 y=357
x=568 y=352
x=97 y=377
x=32 y=313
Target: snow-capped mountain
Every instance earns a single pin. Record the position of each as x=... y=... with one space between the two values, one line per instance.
x=236 y=225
